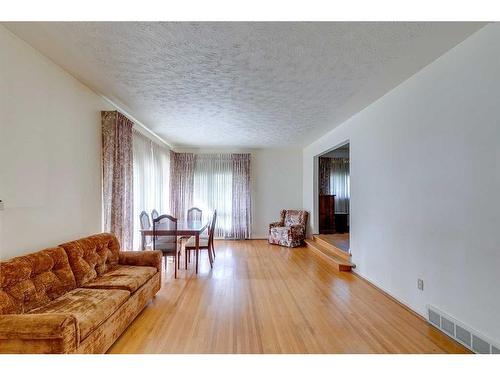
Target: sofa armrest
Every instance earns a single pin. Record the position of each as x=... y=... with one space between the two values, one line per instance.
x=151 y=258
x=38 y=333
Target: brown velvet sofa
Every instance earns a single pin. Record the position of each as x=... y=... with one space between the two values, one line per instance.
x=77 y=297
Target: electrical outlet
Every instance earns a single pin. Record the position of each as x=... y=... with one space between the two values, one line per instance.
x=420 y=284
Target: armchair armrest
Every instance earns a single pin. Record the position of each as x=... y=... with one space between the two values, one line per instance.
x=151 y=258
x=38 y=333
x=275 y=224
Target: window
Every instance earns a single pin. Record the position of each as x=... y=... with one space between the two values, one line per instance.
x=214 y=182
x=213 y=189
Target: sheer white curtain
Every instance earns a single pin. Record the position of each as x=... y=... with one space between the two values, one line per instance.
x=161 y=175
x=213 y=189
x=151 y=179
x=340 y=184
x=335 y=179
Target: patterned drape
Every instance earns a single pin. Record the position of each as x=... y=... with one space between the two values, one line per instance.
x=241 y=210
x=117 y=176
x=181 y=183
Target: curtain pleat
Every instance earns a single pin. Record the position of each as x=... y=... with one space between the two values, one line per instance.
x=117 y=176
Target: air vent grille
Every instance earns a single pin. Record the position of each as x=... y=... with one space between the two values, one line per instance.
x=434 y=318
x=460 y=332
x=480 y=346
x=447 y=326
x=464 y=336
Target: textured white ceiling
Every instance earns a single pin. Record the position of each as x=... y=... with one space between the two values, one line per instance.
x=242 y=84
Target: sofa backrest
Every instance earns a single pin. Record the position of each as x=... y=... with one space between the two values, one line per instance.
x=30 y=281
x=295 y=217
x=92 y=256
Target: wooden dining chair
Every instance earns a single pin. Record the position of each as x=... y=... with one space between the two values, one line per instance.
x=154 y=214
x=204 y=243
x=166 y=244
x=145 y=224
x=194 y=213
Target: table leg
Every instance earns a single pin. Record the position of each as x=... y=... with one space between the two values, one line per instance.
x=143 y=241
x=197 y=238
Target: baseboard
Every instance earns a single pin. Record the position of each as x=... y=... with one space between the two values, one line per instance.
x=390 y=296
x=259 y=237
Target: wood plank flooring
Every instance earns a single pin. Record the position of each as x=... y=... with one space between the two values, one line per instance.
x=261 y=298
x=339 y=240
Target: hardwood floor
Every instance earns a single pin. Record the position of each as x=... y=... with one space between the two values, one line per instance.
x=339 y=240
x=261 y=298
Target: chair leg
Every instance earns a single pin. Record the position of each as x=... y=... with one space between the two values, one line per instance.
x=185 y=258
x=213 y=248
x=210 y=257
x=175 y=266
x=165 y=260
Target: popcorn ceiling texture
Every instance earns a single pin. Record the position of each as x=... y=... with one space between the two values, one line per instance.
x=242 y=84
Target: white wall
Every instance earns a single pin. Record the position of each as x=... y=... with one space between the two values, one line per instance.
x=276 y=177
x=425 y=185
x=50 y=152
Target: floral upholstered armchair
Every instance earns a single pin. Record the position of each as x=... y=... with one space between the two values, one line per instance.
x=290 y=230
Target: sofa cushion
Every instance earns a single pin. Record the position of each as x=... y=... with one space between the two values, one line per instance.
x=128 y=278
x=30 y=281
x=90 y=307
x=92 y=256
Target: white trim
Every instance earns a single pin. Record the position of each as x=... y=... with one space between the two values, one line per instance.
x=137 y=122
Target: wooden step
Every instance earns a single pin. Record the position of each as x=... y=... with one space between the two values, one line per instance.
x=341 y=253
x=339 y=263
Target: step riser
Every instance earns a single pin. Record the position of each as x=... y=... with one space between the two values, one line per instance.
x=338 y=252
x=338 y=266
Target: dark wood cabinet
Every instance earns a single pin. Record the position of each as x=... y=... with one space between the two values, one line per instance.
x=341 y=223
x=326 y=214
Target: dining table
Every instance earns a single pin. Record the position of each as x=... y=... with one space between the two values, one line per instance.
x=184 y=228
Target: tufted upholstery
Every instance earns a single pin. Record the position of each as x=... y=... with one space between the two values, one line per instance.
x=42 y=309
x=290 y=230
x=92 y=256
x=30 y=281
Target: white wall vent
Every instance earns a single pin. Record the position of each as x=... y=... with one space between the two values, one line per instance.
x=460 y=332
